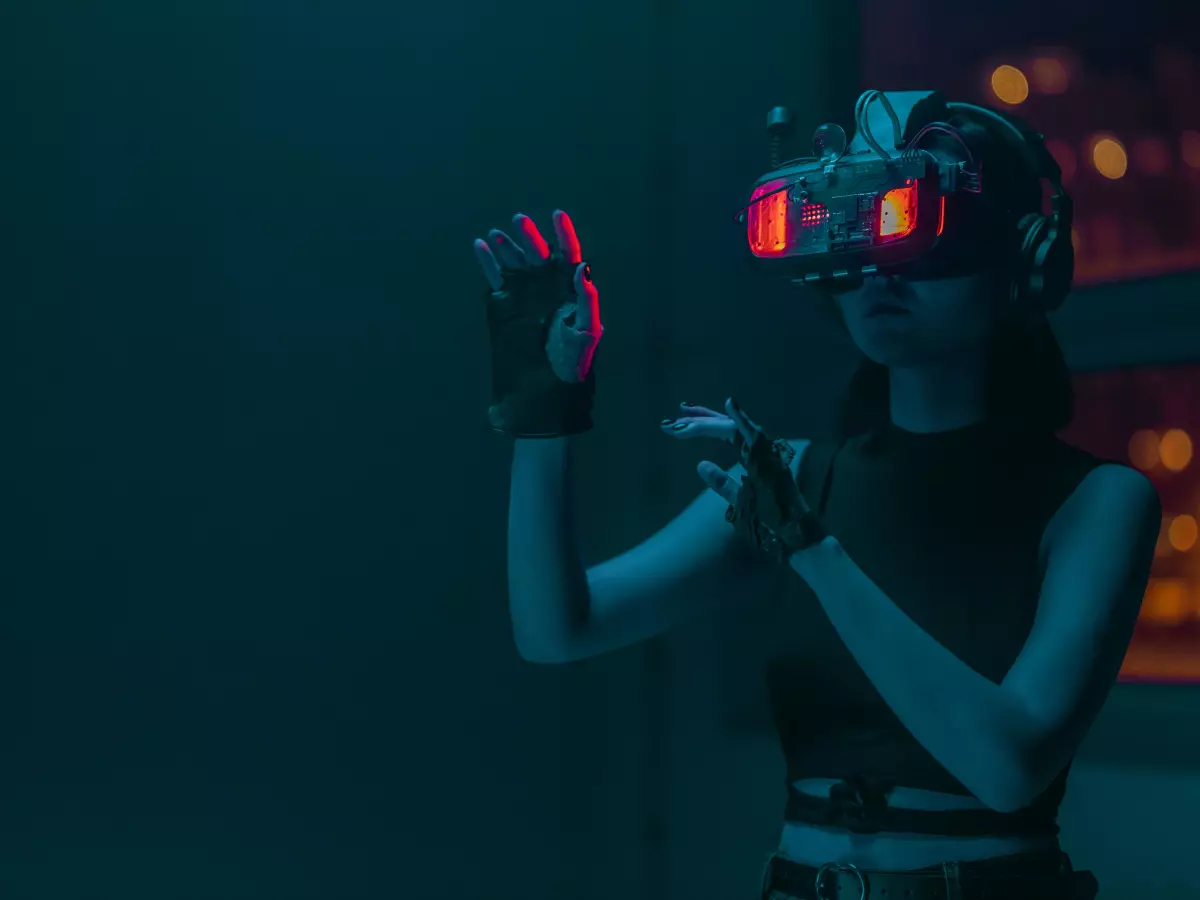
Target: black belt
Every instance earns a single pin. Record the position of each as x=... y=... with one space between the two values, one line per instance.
x=860 y=805
x=1028 y=876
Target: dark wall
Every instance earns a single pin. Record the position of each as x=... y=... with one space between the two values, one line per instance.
x=254 y=640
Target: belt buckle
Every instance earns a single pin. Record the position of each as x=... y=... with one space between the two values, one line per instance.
x=838 y=868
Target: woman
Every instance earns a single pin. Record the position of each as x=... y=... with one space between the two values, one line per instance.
x=965 y=585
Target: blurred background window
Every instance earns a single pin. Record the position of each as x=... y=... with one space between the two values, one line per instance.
x=1149 y=417
x=1114 y=92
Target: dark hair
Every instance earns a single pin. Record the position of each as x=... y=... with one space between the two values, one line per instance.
x=1027 y=380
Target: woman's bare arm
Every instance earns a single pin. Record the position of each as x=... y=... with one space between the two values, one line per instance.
x=562 y=611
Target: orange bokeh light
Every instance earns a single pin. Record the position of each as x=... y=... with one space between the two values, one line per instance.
x=1175 y=450
x=1010 y=85
x=1050 y=76
x=1108 y=156
x=1143 y=449
x=1166 y=601
x=1182 y=533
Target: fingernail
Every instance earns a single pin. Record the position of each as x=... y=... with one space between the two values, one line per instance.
x=688 y=405
x=666 y=421
x=679 y=426
x=587 y=273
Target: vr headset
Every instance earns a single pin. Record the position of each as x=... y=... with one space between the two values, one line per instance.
x=889 y=202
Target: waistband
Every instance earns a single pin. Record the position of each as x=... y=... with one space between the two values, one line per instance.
x=860 y=805
x=1029 y=876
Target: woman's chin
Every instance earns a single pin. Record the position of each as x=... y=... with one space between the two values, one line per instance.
x=894 y=353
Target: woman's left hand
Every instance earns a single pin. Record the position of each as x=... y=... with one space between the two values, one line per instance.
x=732 y=426
x=702 y=422
x=767 y=504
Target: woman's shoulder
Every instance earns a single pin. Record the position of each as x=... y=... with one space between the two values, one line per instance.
x=1111 y=497
x=1077 y=463
x=1090 y=484
x=1095 y=475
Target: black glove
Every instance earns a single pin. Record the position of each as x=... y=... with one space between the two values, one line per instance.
x=538 y=389
x=769 y=511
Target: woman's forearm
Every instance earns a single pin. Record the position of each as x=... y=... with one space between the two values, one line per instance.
x=966 y=722
x=547 y=582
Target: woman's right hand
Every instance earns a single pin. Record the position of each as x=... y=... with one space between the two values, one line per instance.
x=544 y=317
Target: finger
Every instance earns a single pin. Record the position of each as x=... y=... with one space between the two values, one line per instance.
x=748 y=430
x=718 y=481
x=491 y=268
x=735 y=412
x=693 y=410
x=587 y=311
x=508 y=253
x=684 y=429
x=568 y=240
x=537 y=251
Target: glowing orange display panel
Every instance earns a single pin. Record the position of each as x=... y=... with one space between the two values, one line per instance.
x=898 y=213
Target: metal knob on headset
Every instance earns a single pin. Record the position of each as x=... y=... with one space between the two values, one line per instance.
x=780 y=127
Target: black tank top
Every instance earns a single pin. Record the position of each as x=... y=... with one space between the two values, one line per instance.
x=949 y=526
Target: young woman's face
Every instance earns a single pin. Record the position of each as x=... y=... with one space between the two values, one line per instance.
x=903 y=324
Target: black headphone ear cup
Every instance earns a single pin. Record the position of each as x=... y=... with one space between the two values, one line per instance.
x=1030 y=232
x=1055 y=268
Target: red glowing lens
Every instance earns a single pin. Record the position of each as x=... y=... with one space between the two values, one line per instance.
x=766 y=220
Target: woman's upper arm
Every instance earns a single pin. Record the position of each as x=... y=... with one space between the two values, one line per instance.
x=1099 y=563
x=690 y=566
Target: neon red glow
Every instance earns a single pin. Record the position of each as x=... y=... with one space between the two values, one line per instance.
x=942 y=217
x=766 y=220
x=898 y=213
